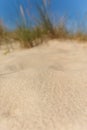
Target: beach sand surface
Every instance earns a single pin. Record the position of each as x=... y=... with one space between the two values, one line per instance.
x=44 y=88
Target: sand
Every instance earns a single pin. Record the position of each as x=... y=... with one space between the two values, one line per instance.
x=44 y=88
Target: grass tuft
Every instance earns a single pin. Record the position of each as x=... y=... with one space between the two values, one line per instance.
x=30 y=35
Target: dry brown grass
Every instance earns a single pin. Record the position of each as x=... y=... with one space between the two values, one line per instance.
x=1 y=32
x=80 y=36
x=32 y=36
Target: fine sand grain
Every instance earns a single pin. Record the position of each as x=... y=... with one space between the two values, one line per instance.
x=44 y=88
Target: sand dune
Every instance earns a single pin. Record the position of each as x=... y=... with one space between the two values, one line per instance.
x=44 y=88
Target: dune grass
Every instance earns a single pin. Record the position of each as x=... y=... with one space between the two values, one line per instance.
x=2 y=32
x=30 y=36
x=44 y=27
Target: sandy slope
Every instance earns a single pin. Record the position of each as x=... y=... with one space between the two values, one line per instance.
x=44 y=88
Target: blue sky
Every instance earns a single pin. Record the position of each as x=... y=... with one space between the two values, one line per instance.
x=75 y=9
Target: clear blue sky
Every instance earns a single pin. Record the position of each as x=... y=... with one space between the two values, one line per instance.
x=74 y=9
